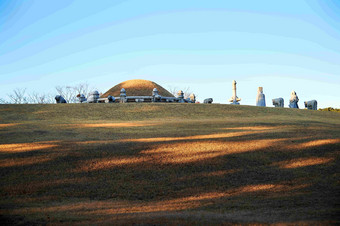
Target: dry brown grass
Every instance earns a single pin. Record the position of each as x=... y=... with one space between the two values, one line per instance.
x=244 y=165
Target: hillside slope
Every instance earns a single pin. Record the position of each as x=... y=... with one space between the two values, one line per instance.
x=176 y=163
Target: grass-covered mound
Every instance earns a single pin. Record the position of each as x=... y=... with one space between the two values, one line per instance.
x=137 y=87
x=168 y=163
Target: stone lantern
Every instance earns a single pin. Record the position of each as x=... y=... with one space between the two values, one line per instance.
x=155 y=96
x=122 y=96
x=180 y=96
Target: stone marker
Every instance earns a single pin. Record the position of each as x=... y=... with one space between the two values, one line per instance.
x=311 y=105
x=180 y=96
x=260 y=99
x=278 y=102
x=208 y=101
x=60 y=100
x=234 y=99
x=293 y=101
x=122 y=96
x=93 y=97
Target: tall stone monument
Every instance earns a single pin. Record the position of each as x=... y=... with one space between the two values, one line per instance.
x=293 y=101
x=260 y=98
x=234 y=99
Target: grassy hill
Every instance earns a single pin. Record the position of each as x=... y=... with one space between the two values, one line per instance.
x=175 y=163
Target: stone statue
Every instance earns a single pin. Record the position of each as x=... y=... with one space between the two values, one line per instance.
x=81 y=98
x=311 y=105
x=260 y=99
x=93 y=97
x=293 y=101
x=192 y=98
x=111 y=99
x=155 y=96
x=278 y=102
x=234 y=99
x=208 y=101
x=180 y=96
x=60 y=100
x=122 y=96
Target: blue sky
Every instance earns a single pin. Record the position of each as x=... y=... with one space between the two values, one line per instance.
x=281 y=45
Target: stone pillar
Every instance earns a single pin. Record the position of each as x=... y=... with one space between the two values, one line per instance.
x=234 y=99
x=122 y=96
x=260 y=99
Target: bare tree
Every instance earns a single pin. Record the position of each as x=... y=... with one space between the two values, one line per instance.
x=18 y=96
x=82 y=88
x=186 y=91
x=3 y=101
x=68 y=92
x=36 y=98
x=50 y=98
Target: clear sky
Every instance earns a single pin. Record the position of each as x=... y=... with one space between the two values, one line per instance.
x=282 y=45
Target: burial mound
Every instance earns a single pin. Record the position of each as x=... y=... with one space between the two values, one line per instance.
x=137 y=87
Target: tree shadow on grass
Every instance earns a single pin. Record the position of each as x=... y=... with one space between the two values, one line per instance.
x=261 y=176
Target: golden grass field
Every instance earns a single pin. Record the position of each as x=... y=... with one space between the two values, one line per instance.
x=168 y=164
